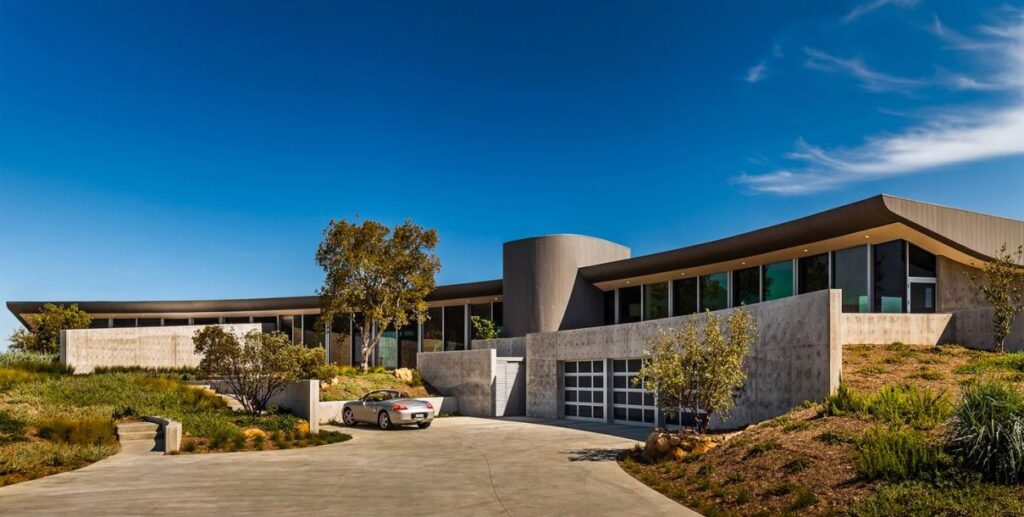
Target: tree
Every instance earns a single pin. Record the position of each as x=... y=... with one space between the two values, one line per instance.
x=382 y=273
x=1002 y=283
x=43 y=333
x=484 y=328
x=700 y=370
x=255 y=367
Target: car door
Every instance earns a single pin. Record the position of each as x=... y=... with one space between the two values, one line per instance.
x=368 y=409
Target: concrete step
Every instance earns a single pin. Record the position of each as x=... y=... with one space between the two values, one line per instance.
x=137 y=435
x=133 y=431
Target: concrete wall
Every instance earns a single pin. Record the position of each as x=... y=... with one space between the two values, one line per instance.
x=974 y=329
x=331 y=410
x=302 y=399
x=148 y=347
x=542 y=290
x=468 y=375
x=955 y=288
x=912 y=329
x=505 y=347
x=797 y=356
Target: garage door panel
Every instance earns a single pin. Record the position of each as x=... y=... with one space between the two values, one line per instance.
x=583 y=390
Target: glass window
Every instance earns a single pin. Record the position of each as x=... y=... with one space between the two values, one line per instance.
x=778 y=280
x=433 y=341
x=684 y=296
x=124 y=322
x=148 y=322
x=482 y=310
x=497 y=312
x=285 y=324
x=454 y=328
x=175 y=322
x=269 y=322
x=813 y=273
x=890 y=277
x=922 y=297
x=609 y=307
x=407 y=345
x=922 y=263
x=236 y=319
x=655 y=301
x=387 y=349
x=341 y=340
x=312 y=334
x=714 y=292
x=629 y=304
x=101 y=323
x=357 y=338
x=746 y=286
x=850 y=273
x=205 y=321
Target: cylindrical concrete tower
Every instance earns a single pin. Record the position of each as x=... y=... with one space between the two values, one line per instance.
x=543 y=291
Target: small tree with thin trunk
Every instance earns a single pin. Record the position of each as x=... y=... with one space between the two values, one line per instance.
x=700 y=368
x=484 y=328
x=255 y=367
x=43 y=334
x=385 y=274
x=1001 y=281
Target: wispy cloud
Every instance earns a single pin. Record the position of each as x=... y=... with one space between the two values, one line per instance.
x=874 y=5
x=940 y=138
x=756 y=73
x=870 y=79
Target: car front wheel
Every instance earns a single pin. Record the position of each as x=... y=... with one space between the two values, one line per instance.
x=423 y=425
x=348 y=418
x=384 y=421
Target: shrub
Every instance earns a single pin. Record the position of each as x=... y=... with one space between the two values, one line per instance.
x=32 y=459
x=12 y=428
x=798 y=464
x=835 y=437
x=259 y=442
x=9 y=377
x=762 y=447
x=994 y=362
x=803 y=497
x=920 y=408
x=987 y=433
x=182 y=373
x=779 y=489
x=34 y=362
x=843 y=402
x=898 y=454
x=188 y=446
x=77 y=430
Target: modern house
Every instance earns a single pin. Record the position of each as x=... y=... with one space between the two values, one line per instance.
x=589 y=304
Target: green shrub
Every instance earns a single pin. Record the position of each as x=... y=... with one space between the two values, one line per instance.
x=994 y=362
x=762 y=447
x=920 y=408
x=188 y=446
x=779 y=489
x=987 y=433
x=742 y=497
x=259 y=442
x=802 y=498
x=796 y=465
x=184 y=373
x=34 y=362
x=898 y=454
x=10 y=377
x=237 y=442
x=835 y=437
x=12 y=428
x=843 y=402
x=31 y=459
x=77 y=429
x=920 y=498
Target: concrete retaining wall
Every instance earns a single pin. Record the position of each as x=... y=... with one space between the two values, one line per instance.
x=912 y=329
x=302 y=399
x=147 y=347
x=797 y=357
x=331 y=410
x=468 y=375
x=974 y=329
x=505 y=347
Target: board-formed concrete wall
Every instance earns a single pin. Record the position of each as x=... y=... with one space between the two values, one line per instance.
x=912 y=329
x=797 y=356
x=302 y=399
x=974 y=329
x=467 y=374
x=147 y=347
x=505 y=347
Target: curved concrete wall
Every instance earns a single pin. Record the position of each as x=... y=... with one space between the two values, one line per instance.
x=543 y=291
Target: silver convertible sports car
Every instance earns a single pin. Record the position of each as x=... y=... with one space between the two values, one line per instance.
x=387 y=409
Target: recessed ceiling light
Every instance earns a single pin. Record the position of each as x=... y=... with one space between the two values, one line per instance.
x=627 y=282
x=805 y=251
x=743 y=263
x=682 y=274
x=867 y=236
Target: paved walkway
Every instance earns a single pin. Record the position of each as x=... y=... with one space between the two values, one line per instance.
x=460 y=466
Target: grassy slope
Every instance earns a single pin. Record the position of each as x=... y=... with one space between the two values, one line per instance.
x=802 y=463
x=355 y=385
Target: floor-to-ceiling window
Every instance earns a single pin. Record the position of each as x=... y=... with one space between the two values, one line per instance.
x=454 y=328
x=233 y=320
x=497 y=312
x=387 y=349
x=714 y=292
x=124 y=322
x=777 y=280
x=812 y=273
x=629 y=304
x=178 y=322
x=357 y=338
x=201 y=321
x=407 y=345
x=746 y=286
x=268 y=323
x=312 y=334
x=609 y=307
x=341 y=340
x=684 y=296
x=921 y=267
x=481 y=310
x=433 y=340
x=890 y=272
x=850 y=273
x=655 y=301
x=152 y=322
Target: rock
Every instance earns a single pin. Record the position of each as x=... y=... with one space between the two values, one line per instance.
x=703 y=447
x=662 y=444
x=302 y=427
x=404 y=374
x=679 y=453
x=253 y=432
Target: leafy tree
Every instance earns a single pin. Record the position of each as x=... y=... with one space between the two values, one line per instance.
x=383 y=273
x=255 y=367
x=484 y=328
x=1002 y=283
x=700 y=369
x=43 y=333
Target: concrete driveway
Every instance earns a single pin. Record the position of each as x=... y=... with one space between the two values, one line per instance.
x=460 y=466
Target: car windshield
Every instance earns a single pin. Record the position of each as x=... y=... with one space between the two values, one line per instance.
x=377 y=396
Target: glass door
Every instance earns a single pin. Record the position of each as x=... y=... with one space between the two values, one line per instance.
x=921 y=292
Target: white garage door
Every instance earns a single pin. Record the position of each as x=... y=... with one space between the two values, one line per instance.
x=630 y=404
x=583 y=390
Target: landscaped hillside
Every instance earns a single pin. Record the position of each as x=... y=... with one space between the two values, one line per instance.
x=878 y=447
x=349 y=383
x=51 y=421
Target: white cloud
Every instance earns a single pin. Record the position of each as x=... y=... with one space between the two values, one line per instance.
x=756 y=72
x=870 y=79
x=874 y=5
x=940 y=138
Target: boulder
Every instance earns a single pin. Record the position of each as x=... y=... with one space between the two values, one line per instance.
x=253 y=432
x=403 y=374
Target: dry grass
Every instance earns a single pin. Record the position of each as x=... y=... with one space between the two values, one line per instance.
x=351 y=387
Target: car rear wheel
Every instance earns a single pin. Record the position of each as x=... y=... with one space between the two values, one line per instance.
x=384 y=421
x=348 y=418
x=423 y=425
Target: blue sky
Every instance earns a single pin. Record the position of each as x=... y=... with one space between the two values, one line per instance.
x=168 y=150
